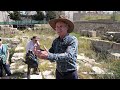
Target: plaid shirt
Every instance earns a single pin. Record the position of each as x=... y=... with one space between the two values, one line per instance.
x=64 y=52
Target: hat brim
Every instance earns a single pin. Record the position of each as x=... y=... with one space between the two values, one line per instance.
x=54 y=21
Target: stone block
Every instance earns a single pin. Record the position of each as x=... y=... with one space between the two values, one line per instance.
x=92 y=33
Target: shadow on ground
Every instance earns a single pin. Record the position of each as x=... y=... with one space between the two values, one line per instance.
x=18 y=75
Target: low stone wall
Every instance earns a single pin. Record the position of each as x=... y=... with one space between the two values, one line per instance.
x=81 y=16
x=100 y=27
x=101 y=45
x=111 y=36
x=111 y=49
x=88 y=33
x=116 y=47
x=8 y=30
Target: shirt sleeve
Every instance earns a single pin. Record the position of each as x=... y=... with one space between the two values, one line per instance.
x=69 y=54
x=27 y=47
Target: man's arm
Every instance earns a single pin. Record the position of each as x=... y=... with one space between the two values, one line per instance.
x=27 y=47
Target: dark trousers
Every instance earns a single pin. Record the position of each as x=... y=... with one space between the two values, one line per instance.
x=29 y=71
x=66 y=75
x=6 y=68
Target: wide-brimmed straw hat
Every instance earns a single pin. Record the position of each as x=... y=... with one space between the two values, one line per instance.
x=62 y=19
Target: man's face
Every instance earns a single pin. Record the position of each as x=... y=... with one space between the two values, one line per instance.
x=61 y=28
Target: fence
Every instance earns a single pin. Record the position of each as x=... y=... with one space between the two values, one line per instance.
x=25 y=22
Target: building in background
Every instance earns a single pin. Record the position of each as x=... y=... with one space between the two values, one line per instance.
x=4 y=16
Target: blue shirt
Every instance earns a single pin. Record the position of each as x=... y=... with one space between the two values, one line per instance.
x=3 y=52
x=64 y=52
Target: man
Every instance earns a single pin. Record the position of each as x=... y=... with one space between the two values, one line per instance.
x=64 y=49
x=4 y=59
x=31 y=45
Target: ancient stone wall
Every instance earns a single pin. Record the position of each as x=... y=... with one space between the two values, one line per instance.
x=79 y=16
x=99 y=26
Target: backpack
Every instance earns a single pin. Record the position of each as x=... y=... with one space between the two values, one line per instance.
x=31 y=59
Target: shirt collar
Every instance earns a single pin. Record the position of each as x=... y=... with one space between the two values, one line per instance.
x=63 y=38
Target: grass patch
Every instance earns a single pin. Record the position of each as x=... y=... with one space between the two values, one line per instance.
x=95 y=17
x=46 y=66
x=84 y=69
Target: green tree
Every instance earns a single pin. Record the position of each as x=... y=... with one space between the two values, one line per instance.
x=50 y=15
x=15 y=15
x=38 y=16
x=59 y=13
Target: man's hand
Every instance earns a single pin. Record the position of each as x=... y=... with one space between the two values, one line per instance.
x=41 y=54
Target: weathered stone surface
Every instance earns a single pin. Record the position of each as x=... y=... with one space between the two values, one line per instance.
x=99 y=27
x=34 y=76
x=49 y=77
x=17 y=56
x=88 y=33
x=101 y=45
x=98 y=70
x=116 y=47
x=19 y=48
x=114 y=55
x=92 y=33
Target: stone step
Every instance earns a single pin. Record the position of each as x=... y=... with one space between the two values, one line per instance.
x=14 y=59
x=33 y=76
x=19 y=48
x=98 y=70
x=17 y=56
x=115 y=56
x=49 y=77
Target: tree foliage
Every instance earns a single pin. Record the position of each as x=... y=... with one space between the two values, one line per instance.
x=15 y=15
x=58 y=13
x=50 y=15
x=38 y=16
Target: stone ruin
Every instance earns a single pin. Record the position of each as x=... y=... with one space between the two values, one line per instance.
x=105 y=33
x=8 y=29
x=111 y=36
x=88 y=33
x=105 y=29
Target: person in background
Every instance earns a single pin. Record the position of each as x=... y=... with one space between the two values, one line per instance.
x=31 y=45
x=4 y=60
x=64 y=49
